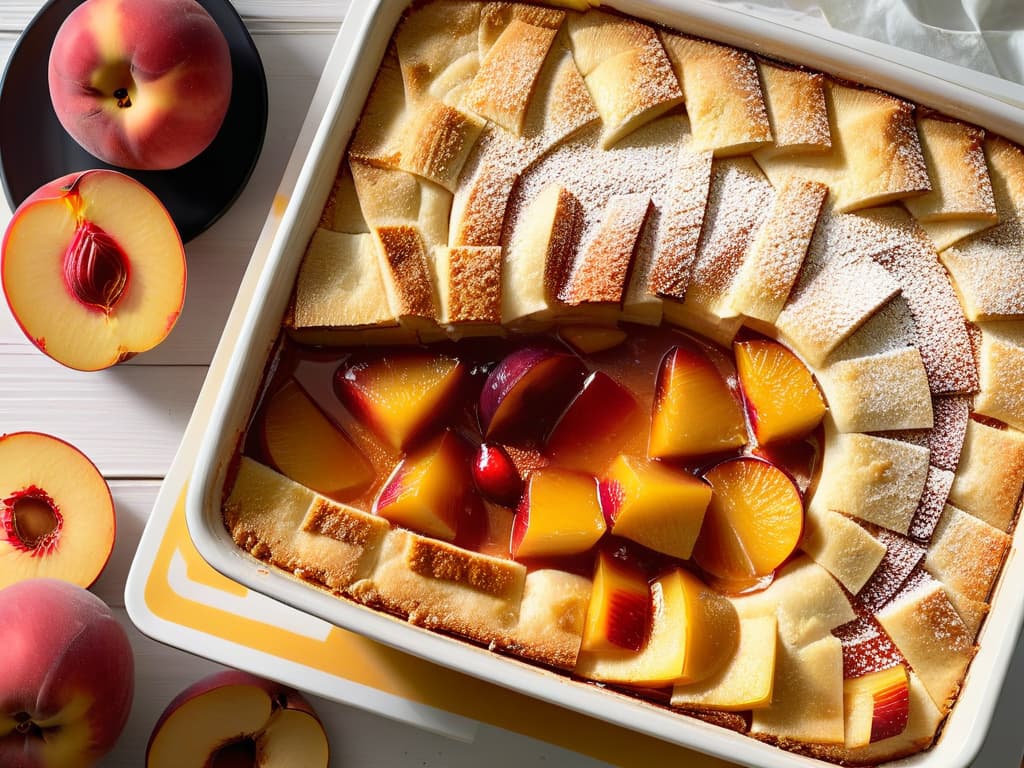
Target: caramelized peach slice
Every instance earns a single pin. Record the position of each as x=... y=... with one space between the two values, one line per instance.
x=593 y=427
x=695 y=411
x=654 y=504
x=782 y=400
x=559 y=514
x=425 y=492
x=526 y=392
x=620 y=607
x=753 y=522
x=400 y=395
x=694 y=632
x=877 y=705
x=305 y=445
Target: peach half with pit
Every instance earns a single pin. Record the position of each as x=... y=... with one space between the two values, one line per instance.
x=68 y=676
x=56 y=513
x=93 y=269
x=141 y=84
x=234 y=718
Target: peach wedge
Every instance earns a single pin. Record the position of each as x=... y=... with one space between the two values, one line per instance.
x=400 y=395
x=877 y=705
x=310 y=449
x=620 y=606
x=782 y=399
x=695 y=411
x=93 y=269
x=559 y=514
x=424 y=493
x=753 y=523
x=56 y=513
x=654 y=504
x=694 y=632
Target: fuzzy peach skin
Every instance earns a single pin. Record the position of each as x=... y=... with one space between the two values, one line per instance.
x=68 y=676
x=141 y=84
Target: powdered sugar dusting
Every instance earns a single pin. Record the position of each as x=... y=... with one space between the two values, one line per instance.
x=738 y=203
x=933 y=501
x=866 y=647
x=902 y=556
x=945 y=439
x=644 y=162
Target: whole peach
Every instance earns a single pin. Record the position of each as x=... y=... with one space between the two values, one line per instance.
x=68 y=676
x=141 y=84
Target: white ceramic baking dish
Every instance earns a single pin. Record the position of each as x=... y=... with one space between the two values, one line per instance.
x=365 y=35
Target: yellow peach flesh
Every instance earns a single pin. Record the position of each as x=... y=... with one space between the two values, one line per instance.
x=563 y=514
x=782 y=398
x=658 y=506
x=77 y=548
x=307 y=447
x=71 y=332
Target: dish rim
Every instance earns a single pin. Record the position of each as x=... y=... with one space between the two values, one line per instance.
x=367 y=32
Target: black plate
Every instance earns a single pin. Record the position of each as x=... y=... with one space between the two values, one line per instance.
x=35 y=149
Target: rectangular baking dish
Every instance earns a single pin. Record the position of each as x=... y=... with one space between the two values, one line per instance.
x=365 y=35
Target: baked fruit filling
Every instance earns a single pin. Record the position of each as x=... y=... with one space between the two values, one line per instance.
x=671 y=367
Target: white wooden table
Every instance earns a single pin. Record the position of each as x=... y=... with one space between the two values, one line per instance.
x=130 y=419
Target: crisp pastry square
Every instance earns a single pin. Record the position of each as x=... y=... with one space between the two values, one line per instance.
x=990 y=475
x=872 y=478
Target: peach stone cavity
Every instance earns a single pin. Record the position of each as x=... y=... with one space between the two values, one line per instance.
x=93 y=269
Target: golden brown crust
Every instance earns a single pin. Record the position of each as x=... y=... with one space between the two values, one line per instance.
x=481 y=208
x=930 y=633
x=966 y=553
x=474 y=285
x=957 y=172
x=406 y=261
x=795 y=101
x=875 y=156
x=339 y=284
x=683 y=217
x=603 y=266
x=722 y=93
x=503 y=85
x=773 y=262
x=269 y=515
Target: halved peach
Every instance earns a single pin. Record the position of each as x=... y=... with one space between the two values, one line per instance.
x=425 y=492
x=593 y=427
x=304 y=444
x=876 y=705
x=526 y=391
x=654 y=504
x=233 y=718
x=620 y=606
x=56 y=513
x=694 y=632
x=753 y=522
x=401 y=394
x=558 y=515
x=93 y=269
x=695 y=411
x=782 y=400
